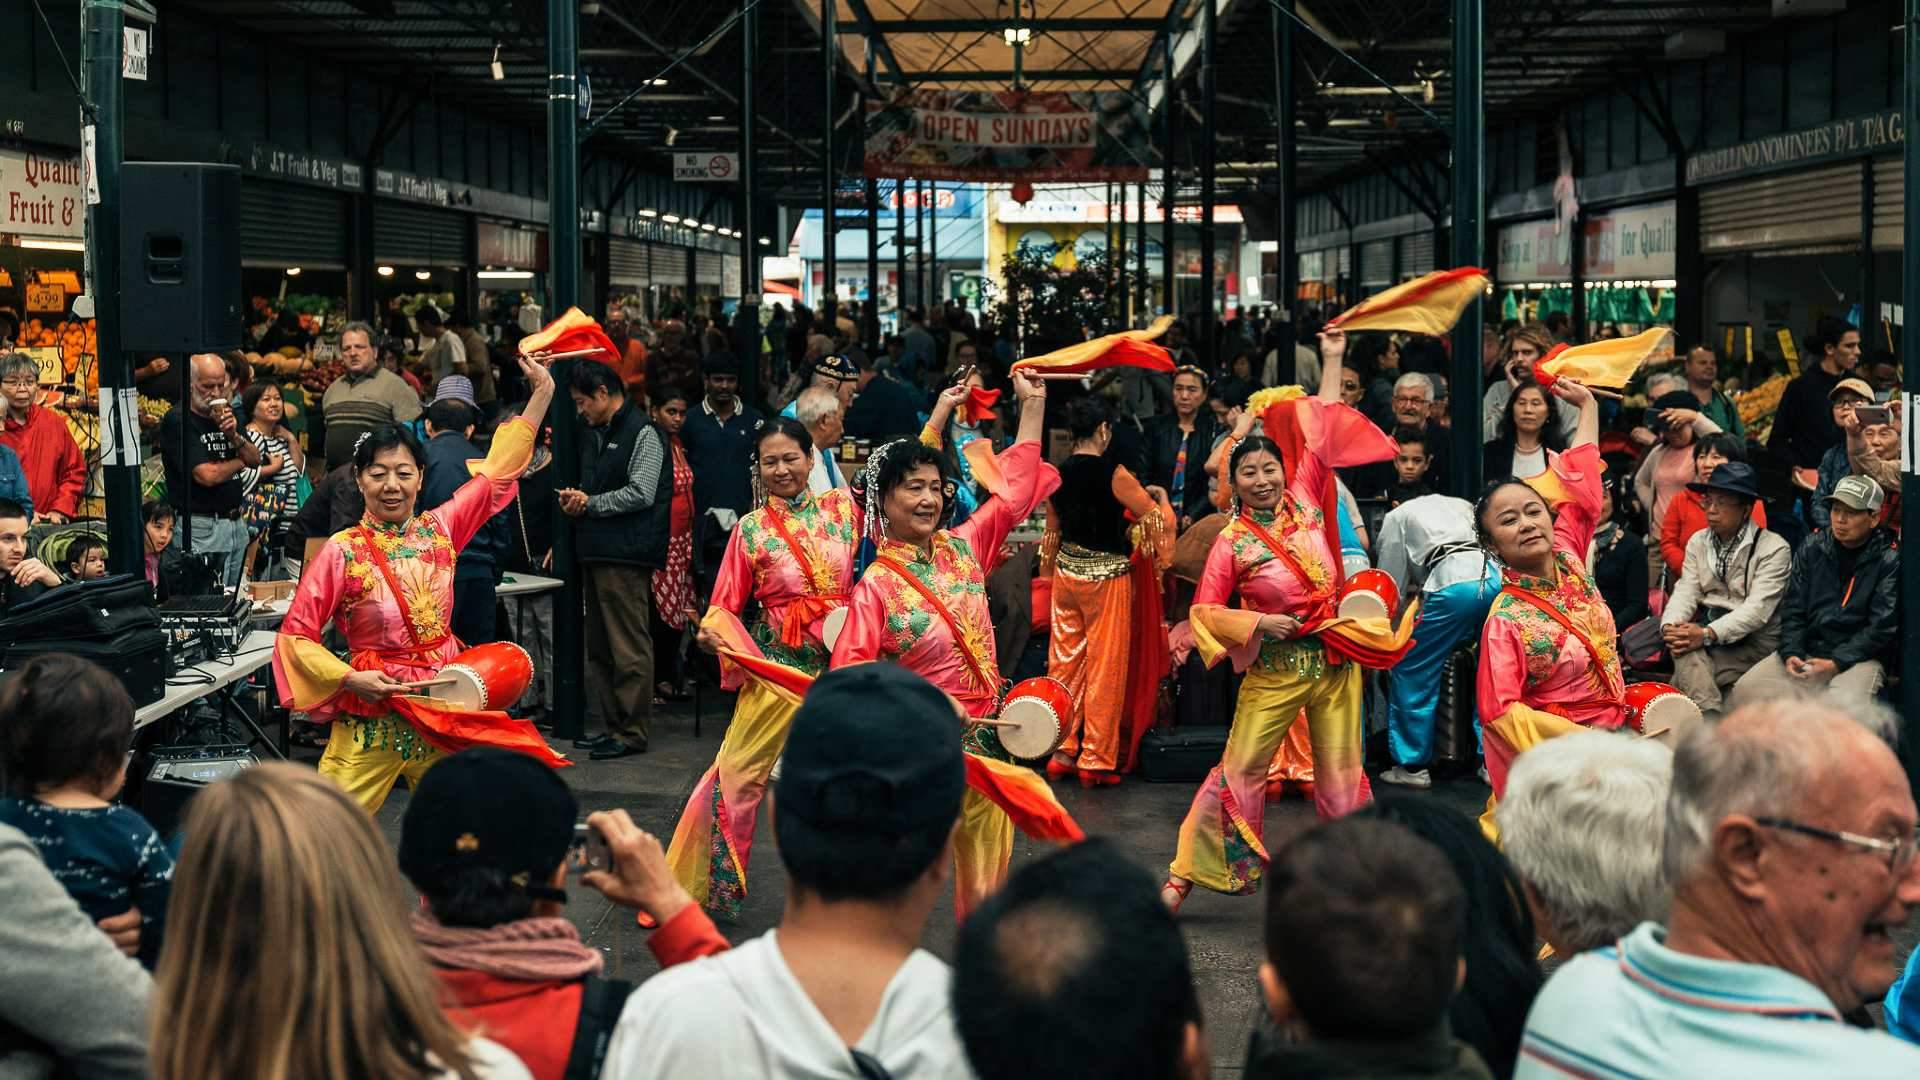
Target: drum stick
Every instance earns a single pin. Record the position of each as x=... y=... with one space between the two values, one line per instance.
x=425 y=683
x=548 y=358
x=999 y=723
x=1656 y=733
x=1053 y=375
x=1597 y=392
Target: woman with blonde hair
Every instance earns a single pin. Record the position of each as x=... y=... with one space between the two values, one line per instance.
x=288 y=952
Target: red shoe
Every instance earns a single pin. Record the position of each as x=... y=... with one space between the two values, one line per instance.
x=1276 y=790
x=1179 y=890
x=1305 y=787
x=1093 y=778
x=1060 y=770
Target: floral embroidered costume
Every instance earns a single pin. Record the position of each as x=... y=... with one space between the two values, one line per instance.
x=389 y=589
x=927 y=612
x=1548 y=663
x=1284 y=561
x=795 y=558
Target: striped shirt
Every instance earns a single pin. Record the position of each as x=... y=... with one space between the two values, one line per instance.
x=1639 y=1009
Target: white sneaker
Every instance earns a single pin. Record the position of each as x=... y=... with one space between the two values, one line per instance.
x=1484 y=778
x=1413 y=778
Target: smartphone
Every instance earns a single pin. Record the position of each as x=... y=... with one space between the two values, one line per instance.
x=588 y=851
x=1869 y=415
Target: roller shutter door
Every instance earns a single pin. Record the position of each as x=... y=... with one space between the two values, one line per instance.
x=1376 y=264
x=289 y=225
x=416 y=235
x=706 y=268
x=1416 y=254
x=1791 y=213
x=627 y=263
x=669 y=265
x=1889 y=205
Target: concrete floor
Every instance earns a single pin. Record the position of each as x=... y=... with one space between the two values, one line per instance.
x=1223 y=932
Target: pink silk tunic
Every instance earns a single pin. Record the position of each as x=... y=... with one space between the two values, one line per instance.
x=343 y=585
x=888 y=619
x=758 y=565
x=1239 y=559
x=1526 y=656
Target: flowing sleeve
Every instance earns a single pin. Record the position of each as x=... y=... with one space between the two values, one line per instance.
x=306 y=671
x=1217 y=628
x=494 y=484
x=1577 y=511
x=863 y=636
x=1152 y=531
x=1502 y=679
x=1028 y=481
x=733 y=587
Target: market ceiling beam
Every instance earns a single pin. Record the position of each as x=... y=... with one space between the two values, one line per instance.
x=978 y=26
x=1031 y=75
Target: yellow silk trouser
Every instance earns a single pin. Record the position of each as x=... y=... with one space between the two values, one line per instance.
x=1087 y=651
x=1221 y=841
x=981 y=851
x=713 y=841
x=367 y=757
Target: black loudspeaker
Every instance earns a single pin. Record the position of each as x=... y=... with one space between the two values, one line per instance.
x=179 y=257
x=177 y=775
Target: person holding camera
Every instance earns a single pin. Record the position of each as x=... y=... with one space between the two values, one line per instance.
x=489 y=839
x=204 y=465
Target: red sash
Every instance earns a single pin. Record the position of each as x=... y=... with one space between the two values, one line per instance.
x=986 y=684
x=1593 y=655
x=1319 y=602
x=801 y=612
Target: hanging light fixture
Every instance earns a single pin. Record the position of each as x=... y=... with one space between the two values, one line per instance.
x=499 y=70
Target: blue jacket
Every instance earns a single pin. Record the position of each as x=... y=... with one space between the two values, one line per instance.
x=447 y=457
x=13 y=480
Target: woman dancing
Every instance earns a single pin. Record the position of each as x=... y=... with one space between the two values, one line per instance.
x=793 y=556
x=387 y=584
x=923 y=603
x=1548 y=665
x=1281 y=553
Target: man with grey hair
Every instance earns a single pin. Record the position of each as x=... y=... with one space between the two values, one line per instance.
x=819 y=411
x=1578 y=823
x=364 y=397
x=1412 y=409
x=1789 y=842
x=205 y=454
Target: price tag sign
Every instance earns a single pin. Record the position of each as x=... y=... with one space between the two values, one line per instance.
x=46 y=297
x=52 y=370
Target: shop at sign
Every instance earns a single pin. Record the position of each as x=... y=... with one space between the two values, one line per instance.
x=1627 y=268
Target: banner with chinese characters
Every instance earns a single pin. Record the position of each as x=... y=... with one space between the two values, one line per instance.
x=1015 y=135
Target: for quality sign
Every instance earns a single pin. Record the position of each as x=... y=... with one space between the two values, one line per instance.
x=706 y=166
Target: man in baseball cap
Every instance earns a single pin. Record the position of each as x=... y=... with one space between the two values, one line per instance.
x=486 y=840
x=865 y=811
x=1841 y=615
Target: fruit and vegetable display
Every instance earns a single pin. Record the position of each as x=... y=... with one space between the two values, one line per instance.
x=1759 y=405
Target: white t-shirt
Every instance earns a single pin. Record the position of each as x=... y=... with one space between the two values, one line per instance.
x=491 y=1061
x=742 y=1013
x=1529 y=464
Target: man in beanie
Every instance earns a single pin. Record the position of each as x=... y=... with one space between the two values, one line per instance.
x=718 y=436
x=451 y=418
x=486 y=840
x=865 y=811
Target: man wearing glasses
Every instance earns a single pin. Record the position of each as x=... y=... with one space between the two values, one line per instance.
x=1789 y=842
x=204 y=463
x=56 y=470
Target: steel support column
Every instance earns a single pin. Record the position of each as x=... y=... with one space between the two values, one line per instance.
x=899 y=256
x=1210 y=329
x=1469 y=206
x=1871 y=335
x=1909 y=350
x=1287 y=215
x=1169 y=112
x=563 y=281
x=1689 y=265
x=829 y=175
x=870 y=311
x=746 y=322
x=1142 y=287
x=101 y=33
x=920 y=246
x=933 y=244
x=1577 y=272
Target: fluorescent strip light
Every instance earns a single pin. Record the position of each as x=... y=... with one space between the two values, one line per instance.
x=505 y=275
x=53 y=245
x=422 y=275
x=690 y=223
x=647 y=213
x=383 y=271
x=671 y=219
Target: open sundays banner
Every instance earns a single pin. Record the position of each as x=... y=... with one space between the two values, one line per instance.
x=1005 y=136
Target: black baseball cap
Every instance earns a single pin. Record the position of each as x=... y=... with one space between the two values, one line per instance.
x=487 y=807
x=874 y=749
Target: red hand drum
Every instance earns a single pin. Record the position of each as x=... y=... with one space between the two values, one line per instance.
x=486 y=677
x=1658 y=711
x=1034 y=718
x=831 y=625
x=1369 y=594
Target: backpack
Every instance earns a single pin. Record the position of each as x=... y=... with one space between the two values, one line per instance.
x=601 y=1001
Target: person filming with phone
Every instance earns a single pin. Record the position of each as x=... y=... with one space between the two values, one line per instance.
x=204 y=467
x=490 y=839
